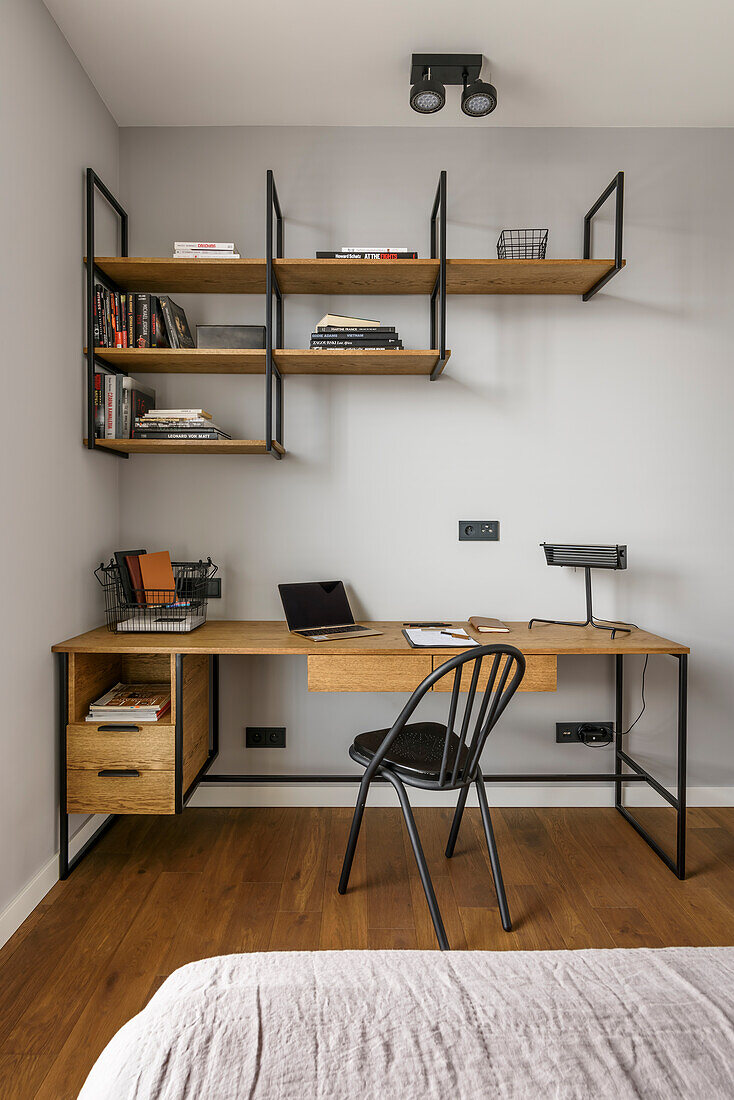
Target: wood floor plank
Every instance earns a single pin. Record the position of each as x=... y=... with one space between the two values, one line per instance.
x=251 y=921
x=21 y=1075
x=532 y=921
x=433 y=826
x=388 y=887
x=344 y=916
x=629 y=928
x=261 y=842
x=483 y=931
x=303 y=882
x=392 y=939
x=295 y=931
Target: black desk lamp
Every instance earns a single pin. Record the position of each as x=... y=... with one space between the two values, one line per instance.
x=587 y=558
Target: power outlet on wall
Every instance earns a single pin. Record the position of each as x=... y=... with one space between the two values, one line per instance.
x=265 y=737
x=479 y=530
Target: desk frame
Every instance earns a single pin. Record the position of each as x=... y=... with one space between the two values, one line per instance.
x=622 y=759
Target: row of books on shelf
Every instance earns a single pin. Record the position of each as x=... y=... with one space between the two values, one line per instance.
x=129 y=704
x=138 y=320
x=382 y=253
x=205 y=250
x=335 y=332
x=118 y=402
x=177 y=424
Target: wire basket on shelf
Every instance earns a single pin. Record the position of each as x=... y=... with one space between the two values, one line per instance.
x=145 y=610
x=522 y=244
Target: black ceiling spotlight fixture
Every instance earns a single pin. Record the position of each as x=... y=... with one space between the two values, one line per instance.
x=429 y=72
x=478 y=98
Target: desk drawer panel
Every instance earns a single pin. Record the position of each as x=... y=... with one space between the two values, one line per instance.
x=148 y=792
x=91 y=747
x=540 y=674
x=355 y=673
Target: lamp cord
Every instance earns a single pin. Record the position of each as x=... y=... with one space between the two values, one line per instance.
x=605 y=744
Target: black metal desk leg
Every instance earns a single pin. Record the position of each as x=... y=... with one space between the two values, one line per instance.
x=62 y=718
x=618 y=723
x=680 y=869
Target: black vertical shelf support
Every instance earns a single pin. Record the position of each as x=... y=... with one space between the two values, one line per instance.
x=273 y=340
x=617 y=185
x=438 y=295
x=94 y=183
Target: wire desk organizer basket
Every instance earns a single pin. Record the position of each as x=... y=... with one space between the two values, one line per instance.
x=153 y=611
x=522 y=244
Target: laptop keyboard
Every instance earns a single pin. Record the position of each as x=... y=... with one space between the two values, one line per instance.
x=333 y=630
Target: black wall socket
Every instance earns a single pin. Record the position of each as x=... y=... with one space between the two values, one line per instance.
x=479 y=530
x=264 y=737
x=567 y=733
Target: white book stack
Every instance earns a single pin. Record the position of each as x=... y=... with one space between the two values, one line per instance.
x=205 y=250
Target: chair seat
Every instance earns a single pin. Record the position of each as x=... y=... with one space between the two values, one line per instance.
x=417 y=750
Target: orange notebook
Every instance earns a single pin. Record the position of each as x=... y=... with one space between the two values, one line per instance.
x=157 y=576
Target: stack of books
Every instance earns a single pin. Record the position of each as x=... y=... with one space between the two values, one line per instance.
x=138 y=320
x=129 y=704
x=335 y=333
x=118 y=401
x=368 y=254
x=205 y=250
x=177 y=424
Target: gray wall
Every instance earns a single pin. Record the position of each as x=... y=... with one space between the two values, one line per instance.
x=607 y=421
x=59 y=505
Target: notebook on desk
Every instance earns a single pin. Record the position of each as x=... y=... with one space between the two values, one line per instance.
x=454 y=637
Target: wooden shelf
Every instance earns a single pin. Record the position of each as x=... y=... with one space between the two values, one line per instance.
x=388 y=277
x=184 y=360
x=524 y=276
x=318 y=361
x=188 y=447
x=356 y=276
x=288 y=360
x=184 y=276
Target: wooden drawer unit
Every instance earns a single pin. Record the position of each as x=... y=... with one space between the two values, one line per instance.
x=540 y=673
x=149 y=745
x=354 y=673
x=150 y=791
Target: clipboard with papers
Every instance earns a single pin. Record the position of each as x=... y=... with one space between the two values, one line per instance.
x=454 y=637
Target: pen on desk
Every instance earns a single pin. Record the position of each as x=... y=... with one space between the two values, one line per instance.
x=425 y=625
x=450 y=634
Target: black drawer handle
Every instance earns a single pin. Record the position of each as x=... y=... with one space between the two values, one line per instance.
x=119 y=773
x=118 y=729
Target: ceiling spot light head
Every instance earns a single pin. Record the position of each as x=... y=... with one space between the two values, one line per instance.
x=478 y=99
x=427 y=95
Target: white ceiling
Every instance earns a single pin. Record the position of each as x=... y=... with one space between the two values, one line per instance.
x=343 y=62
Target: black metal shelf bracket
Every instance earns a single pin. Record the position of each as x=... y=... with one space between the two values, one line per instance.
x=94 y=183
x=438 y=295
x=273 y=377
x=617 y=185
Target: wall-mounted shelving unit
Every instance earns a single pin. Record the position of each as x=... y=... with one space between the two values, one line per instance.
x=276 y=276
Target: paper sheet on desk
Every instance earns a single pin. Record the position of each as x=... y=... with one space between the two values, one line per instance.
x=437 y=639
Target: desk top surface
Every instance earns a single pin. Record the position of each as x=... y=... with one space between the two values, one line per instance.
x=253 y=637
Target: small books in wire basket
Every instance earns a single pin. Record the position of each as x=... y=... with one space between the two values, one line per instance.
x=522 y=244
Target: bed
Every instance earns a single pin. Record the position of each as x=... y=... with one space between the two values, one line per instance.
x=415 y=1025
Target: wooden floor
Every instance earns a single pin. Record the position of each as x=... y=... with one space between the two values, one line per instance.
x=159 y=892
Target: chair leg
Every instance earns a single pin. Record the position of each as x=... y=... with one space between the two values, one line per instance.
x=456 y=823
x=353 y=835
x=420 y=859
x=494 y=859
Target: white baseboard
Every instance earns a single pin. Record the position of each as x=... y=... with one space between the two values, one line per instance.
x=511 y=794
x=35 y=891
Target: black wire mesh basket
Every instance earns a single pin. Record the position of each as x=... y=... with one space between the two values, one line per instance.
x=145 y=610
x=522 y=244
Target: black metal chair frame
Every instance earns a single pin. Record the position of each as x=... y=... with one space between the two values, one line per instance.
x=459 y=765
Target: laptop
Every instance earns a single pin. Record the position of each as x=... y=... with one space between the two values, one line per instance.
x=319 y=611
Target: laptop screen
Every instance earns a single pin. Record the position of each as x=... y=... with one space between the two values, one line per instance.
x=316 y=603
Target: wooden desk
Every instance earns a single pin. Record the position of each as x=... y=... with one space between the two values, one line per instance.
x=157 y=769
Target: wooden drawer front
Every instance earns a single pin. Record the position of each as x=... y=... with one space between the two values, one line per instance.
x=540 y=674
x=91 y=748
x=350 y=673
x=149 y=792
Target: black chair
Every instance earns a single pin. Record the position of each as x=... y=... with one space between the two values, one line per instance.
x=434 y=757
